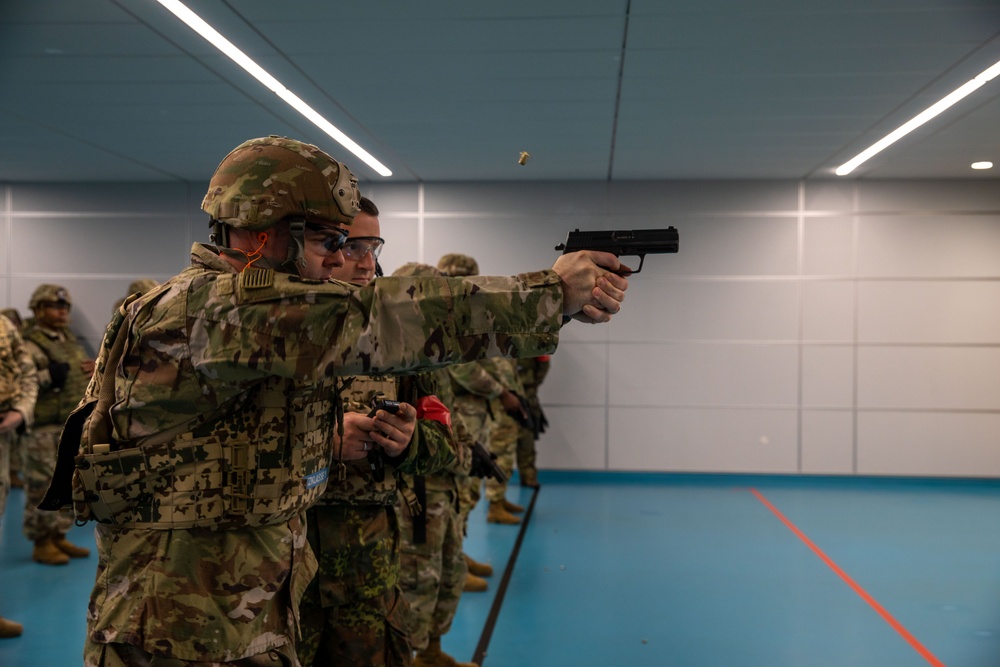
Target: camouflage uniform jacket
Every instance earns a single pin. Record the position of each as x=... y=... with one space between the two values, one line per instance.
x=18 y=379
x=56 y=346
x=196 y=348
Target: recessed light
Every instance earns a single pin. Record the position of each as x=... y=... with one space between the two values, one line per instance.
x=982 y=165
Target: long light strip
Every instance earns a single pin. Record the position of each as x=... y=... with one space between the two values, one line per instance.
x=930 y=112
x=197 y=24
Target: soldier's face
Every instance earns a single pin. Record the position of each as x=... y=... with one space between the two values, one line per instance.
x=359 y=263
x=320 y=262
x=53 y=314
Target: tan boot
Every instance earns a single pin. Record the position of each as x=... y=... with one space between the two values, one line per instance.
x=70 y=549
x=474 y=584
x=433 y=656
x=512 y=507
x=10 y=629
x=497 y=513
x=477 y=568
x=47 y=553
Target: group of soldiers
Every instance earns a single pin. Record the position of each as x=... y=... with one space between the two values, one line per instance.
x=277 y=445
x=43 y=375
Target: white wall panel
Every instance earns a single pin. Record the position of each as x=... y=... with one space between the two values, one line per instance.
x=710 y=310
x=714 y=440
x=828 y=376
x=827 y=442
x=577 y=376
x=929 y=378
x=929 y=195
x=686 y=374
x=110 y=199
x=828 y=246
x=828 y=311
x=929 y=246
x=929 y=444
x=575 y=440
x=928 y=312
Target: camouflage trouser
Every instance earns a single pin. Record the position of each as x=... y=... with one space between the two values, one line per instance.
x=353 y=613
x=432 y=573
x=503 y=443
x=472 y=412
x=7 y=442
x=125 y=655
x=526 y=452
x=15 y=458
x=38 y=449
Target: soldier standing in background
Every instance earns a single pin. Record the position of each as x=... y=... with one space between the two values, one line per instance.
x=140 y=287
x=64 y=369
x=15 y=449
x=433 y=565
x=18 y=391
x=532 y=372
x=216 y=396
x=354 y=613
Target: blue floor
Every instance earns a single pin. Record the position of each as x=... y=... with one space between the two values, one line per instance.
x=676 y=570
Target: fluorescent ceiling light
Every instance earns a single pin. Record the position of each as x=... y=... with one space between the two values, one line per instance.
x=197 y=24
x=918 y=120
x=982 y=165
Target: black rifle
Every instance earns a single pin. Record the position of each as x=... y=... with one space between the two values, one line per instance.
x=629 y=242
x=484 y=464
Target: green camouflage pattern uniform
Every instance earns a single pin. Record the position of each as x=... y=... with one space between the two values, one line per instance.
x=432 y=565
x=532 y=372
x=222 y=423
x=57 y=398
x=18 y=391
x=353 y=612
x=477 y=401
x=504 y=430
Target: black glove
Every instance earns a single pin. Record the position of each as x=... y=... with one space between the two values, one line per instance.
x=58 y=372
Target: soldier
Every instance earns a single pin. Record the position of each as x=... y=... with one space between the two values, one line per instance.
x=140 y=287
x=18 y=391
x=485 y=394
x=64 y=369
x=15 y=450
x=433 y=564
x=353 y=612
x=532 y=372
x=212 y=414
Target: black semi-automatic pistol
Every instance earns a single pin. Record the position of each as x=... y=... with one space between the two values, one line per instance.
x=628 y=242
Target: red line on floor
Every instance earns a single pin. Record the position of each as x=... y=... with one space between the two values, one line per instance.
x=879 y=609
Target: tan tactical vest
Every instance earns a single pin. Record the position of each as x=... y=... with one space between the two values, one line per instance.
x=55 y=405
x=261 y=462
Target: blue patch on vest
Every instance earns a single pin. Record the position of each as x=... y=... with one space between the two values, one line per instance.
x=317 y=478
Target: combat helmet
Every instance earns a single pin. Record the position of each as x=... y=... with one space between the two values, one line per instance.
x=266 y=180
x=411 y=269
x=49 y=294
x=455 y=264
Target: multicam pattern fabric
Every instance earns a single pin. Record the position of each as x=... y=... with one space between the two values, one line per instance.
x=56 y=346
x=38 y=449
x=532 y=373
x=18 y=391
x=197 y=347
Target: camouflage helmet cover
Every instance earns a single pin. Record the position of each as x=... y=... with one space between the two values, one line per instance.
x=456 y=264
x=265 y=180
x=411 y=269
x=49 y=293
x=142 y=285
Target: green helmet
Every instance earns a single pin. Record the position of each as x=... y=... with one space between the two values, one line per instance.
x=266 y=180
x=455 y=264
x=142 y=285
x=411 y=269
x=49 y=294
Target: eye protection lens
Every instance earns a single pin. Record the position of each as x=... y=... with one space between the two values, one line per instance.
x=356 y=248
x=331 y=238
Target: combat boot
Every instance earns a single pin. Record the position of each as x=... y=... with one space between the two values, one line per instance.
x=10 y=629
x=47 y=553
x=433 y=656
x=497 y=513
x=512 y=507
x=70 y=549
x=477 y=568
x=474 y=584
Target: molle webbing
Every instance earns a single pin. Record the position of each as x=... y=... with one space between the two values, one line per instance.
x=260 y=465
